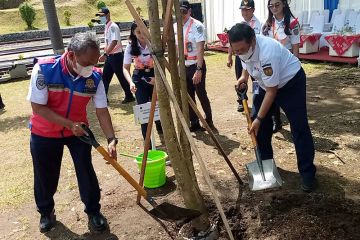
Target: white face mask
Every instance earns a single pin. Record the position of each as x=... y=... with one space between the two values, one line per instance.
x=84 y=71
x=247 y=55
x=103 y=20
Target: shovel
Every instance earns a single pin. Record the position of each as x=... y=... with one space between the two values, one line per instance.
x=164 y=211
x=263 y=174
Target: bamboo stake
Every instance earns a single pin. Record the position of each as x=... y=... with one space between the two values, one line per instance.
x=167 y=23
x=187 y=131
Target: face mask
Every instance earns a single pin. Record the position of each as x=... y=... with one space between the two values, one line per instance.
x=247 y=55
x=84 y=71
x=103 y=20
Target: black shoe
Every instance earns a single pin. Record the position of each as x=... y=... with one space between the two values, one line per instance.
x=128 y=100
x=309 y=187
x=240 y=108
x=277 y=126
x=196 y=127
x=97 y=222
x=212 y=127
x=47 y=222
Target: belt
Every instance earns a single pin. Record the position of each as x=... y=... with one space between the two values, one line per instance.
x=191 y=57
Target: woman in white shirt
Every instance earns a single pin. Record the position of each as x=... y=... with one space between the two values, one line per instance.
x=142 y=81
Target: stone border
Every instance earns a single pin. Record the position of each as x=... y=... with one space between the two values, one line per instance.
x=40 y=34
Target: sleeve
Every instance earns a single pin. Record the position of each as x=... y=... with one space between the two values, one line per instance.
x=243 y=65
x=295 y=32
x=38 y=91
x=271 y=69
x=127 y=54
x=200 y=35
x=114 y=33
x=99 y=99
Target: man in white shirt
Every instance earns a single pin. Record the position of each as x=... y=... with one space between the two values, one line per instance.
x=113 y=55
x=281 y=80
x=247 y=8
x=194 y=42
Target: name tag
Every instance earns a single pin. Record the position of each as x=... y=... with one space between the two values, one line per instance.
x=255 y=87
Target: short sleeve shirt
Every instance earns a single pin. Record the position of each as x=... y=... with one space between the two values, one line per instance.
x=255 y=24
x=144 y=57
x=277 y=31
x=271 y=64
x=112 y=33
x=196 y=34
x=38 y=91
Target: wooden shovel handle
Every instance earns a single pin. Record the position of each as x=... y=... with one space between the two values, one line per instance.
x=122 y=171
x=249 y=121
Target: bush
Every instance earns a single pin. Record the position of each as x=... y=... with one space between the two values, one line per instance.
x=67 y=15
x=100 y=4
x=91 y=25
x=27 y=12
x=91 y=2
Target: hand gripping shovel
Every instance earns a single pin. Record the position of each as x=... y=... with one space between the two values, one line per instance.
x=263 y=174
x=164 y=211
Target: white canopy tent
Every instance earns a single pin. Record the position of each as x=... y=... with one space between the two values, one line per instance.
x=221 y=14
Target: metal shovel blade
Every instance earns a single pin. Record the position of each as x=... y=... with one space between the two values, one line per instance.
x=272 y=176
x=169 y=212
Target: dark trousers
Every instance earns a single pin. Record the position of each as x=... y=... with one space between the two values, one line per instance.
x=143 y=94
x=292 y=99
x=200 y=91
x=47 y=155
x=114 y=64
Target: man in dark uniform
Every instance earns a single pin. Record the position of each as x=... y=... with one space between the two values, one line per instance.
x=113 y=55
x=2 y=105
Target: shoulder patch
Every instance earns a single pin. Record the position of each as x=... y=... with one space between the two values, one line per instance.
x=294 y=23
x=112 y=28
x=268 y=71
x=200 y=29
x=40 y=81
x=46 y=60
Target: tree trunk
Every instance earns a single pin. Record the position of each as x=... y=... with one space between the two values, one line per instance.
x=54 y=27
x=184 y=174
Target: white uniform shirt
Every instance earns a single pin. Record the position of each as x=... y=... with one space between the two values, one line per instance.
x=196 y=34
x=112 y=32
x=271 y=64
x=255 y=24
x=39 y=94
x=277 y=31
x=144 y=57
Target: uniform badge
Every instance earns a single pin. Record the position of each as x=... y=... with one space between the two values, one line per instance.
x=90 y=86
x=40 y=82
x=200 y=29
x=268 y=71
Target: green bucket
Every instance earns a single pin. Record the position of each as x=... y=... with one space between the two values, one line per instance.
x=155 y=168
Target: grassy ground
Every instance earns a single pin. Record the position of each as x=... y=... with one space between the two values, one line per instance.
x=82 y=13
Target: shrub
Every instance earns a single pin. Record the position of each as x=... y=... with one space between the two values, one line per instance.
x=27 y=12
x=90 y=24
x=91 y=2
x=67 y=15
x=100 y=4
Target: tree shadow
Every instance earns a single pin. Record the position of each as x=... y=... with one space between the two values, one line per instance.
x=228 y=144
x=60 y=232
x=14 y=123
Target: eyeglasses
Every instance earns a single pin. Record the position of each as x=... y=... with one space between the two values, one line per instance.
x=276 y=5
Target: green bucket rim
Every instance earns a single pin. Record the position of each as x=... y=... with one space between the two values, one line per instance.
x=140 y=157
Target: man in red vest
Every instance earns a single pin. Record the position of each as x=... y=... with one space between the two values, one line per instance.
x=60 y=90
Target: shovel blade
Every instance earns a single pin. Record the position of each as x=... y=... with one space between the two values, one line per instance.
x=272 y=176
x=169 y=212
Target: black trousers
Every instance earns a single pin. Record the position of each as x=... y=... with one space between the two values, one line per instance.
x=292 y=99
x=47 y=155
x=200 y=91
x=143 y=94
x=114 y=64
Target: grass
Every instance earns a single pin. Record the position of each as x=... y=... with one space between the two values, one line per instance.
x=81 y=14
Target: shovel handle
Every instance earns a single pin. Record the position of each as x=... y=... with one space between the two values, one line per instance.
x=249 y=121
x=122 y=171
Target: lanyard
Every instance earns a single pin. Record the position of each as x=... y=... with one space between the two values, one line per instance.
x=187 y=36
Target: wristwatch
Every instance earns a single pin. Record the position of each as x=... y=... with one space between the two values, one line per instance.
x=198 y=68
x=109 y=140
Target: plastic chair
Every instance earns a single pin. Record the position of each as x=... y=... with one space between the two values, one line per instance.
x=312 y=15
x=305 y=17
x=318 y=24
x=335 y=13
x=357 y=24
x=326 y=13
x=339 y=22
x=352 y=20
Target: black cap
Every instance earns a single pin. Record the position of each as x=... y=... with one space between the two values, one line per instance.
x=247 y=4
x=103 y=11
x=185 y=5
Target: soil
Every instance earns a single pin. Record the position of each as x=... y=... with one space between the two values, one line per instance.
x=332 y=211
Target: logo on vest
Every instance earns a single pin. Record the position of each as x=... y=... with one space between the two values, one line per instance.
x=90 y=86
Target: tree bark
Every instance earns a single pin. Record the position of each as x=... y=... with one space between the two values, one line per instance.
x=184 y=174
x=54 y=26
